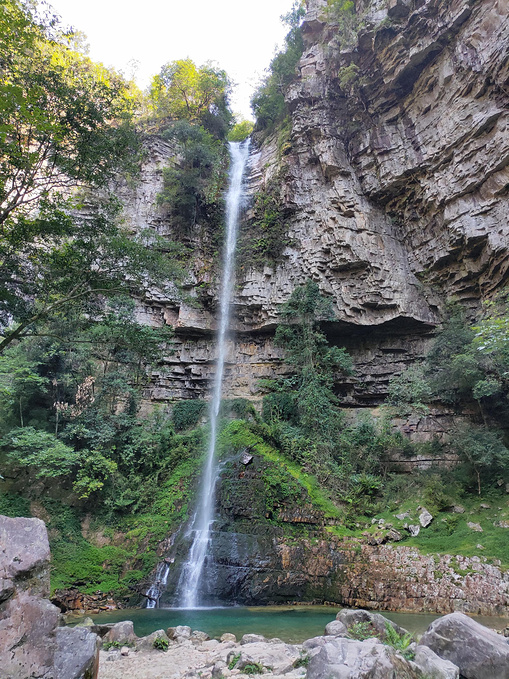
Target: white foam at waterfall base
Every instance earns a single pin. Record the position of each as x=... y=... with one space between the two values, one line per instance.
x=188 y=589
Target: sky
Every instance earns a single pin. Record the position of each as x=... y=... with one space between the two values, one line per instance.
x=137 y=38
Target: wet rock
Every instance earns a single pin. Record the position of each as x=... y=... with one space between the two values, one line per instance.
x=479 y=652
x=433 y=666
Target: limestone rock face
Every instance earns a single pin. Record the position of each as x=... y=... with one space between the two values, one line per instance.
x=392 y=185
x=479 y=652
x=32 y=643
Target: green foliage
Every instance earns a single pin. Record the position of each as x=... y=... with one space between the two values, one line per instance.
x=268 y=102
x=187 y=414
x=312 y=360
x=183 y=91
x=410 y=391
x=241 y=131
x=238 y=407
x=342 y=15
x=161 y=644
x=12 y=504
x=483 y=452
x=193 y=185
x=362 y=631
x=234 y=661
x=464 y=364
x=253 y=668
x=264 y=237
x=400 y=642
x=302 y=661
x=28 y=447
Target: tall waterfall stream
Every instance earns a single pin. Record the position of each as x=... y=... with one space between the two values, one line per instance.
x=188 y=588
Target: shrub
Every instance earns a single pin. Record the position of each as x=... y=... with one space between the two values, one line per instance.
x=161 y=644
x=186 y=414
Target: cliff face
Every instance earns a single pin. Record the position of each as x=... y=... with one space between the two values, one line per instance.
x=394 y=186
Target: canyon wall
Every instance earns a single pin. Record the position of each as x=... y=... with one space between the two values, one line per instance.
x=393 y=187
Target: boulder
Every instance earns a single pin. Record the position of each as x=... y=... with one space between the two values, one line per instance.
x=27 y=645
x=121 y=633
x=336 y=628
x=227 y=636
x=147 y=643
x=425 y=518
x=252 y=638
x=278 y=658
x=341 y=658
x=433 y=666
x=24 y=555
x=376 y=622
x=76 y=655
x=32 y=642
x=179 y=632
x=198 y=637
x=479 y=652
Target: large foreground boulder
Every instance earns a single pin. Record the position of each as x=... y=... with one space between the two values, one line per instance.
x=32 y=641
x=341 y=658
x=479 y=652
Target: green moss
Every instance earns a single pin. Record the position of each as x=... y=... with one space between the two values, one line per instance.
x=238 y=435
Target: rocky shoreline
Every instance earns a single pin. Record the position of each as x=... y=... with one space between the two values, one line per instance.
x=358 y=644
x=35 y=643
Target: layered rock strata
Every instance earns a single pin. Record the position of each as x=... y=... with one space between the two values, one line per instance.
x=393 y=186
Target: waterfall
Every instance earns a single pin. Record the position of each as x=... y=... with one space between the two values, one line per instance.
x=159 y=585
x=189 y=582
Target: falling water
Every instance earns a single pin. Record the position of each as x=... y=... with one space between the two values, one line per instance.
x=188 y=587
x=159 y=585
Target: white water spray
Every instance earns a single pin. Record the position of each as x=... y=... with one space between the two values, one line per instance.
x=189 y=582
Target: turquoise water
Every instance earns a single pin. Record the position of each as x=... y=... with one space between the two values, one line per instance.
x=289 y=623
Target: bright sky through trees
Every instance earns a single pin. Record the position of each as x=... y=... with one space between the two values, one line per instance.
x=240 y=35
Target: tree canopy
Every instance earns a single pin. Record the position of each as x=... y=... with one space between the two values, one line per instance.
x=198 y=94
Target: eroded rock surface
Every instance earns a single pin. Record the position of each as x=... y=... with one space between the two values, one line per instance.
x=479 y=652
x=32 y=643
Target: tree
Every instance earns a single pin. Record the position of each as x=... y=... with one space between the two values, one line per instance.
x=184 y=91
x=64 y=119
x=268 y=102
x=66 y=127
x=193 y=185
x=312 y=360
